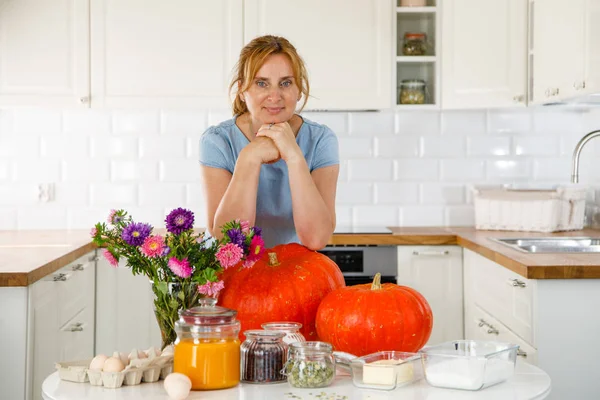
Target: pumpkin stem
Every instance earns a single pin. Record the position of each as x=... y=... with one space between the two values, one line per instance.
x=273 y=259
x=376 y=282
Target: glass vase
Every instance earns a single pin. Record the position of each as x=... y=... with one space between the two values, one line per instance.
x=169 y=299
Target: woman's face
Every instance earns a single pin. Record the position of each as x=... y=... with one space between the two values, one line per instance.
x=273 y=93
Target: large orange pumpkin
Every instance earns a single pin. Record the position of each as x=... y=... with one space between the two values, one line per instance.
x=286 y=284
x=364 y=319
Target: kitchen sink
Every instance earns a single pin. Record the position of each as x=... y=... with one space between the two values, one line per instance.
x=554 y=244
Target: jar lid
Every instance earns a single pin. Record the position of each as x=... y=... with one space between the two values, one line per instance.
x=415 y=35
x=207 y=313
x=413 y=83
x=262 y=335
x=283 y=326
x=313 y=348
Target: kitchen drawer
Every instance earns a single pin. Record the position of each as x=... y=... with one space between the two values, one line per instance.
x=76 y=337
x=75 y=287
x=505 y=295
x=482 y=326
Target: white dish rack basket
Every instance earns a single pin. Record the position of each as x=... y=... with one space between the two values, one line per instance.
x=535 y=210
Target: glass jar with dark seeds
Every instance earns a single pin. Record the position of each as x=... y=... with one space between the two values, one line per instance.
x=263 y=355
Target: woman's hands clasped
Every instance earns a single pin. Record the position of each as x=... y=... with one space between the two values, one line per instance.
x=284 y=139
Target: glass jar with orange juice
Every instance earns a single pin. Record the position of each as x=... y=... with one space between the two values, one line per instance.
x=207 y=348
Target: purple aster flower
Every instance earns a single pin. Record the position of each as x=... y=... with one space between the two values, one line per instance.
x=166 y=251
x=134 y=234
x=257 y=231
x=179 y=220
x=237 y=237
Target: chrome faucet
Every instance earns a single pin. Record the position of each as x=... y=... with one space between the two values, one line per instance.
x=578 y=148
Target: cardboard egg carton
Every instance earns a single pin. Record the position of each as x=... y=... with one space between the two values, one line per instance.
x=138 y=370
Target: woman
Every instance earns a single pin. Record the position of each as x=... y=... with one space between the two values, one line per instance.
x=268 y=165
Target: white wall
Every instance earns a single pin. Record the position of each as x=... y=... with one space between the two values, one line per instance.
x=404 y=168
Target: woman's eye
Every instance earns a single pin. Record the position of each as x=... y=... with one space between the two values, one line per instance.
x=286 y=83
x=261 y=83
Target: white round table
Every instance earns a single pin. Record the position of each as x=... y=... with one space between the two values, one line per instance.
x=529 y=382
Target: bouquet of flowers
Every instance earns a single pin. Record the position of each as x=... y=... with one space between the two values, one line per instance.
x=182 y=265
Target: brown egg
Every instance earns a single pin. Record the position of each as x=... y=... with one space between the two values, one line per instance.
x=98 y=362
x=113 y=364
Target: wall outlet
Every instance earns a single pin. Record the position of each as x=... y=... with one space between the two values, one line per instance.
x=46 y=192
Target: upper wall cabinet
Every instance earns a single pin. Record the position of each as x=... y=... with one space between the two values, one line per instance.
x=484 y=53
x=348 y=57
x=44 y=53
x=156 y=53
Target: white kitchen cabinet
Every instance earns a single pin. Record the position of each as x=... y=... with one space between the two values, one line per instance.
x=591 y=72
x=484 y=53
x=348 y=57
x=155 y=53
x=124 y=310
x=61 y=320
x=44 y=53
x=436 y=273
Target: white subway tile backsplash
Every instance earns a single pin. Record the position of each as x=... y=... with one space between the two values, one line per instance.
x=423 y=216
x=537 y=145
x=86 y=217
x=440 y=193
x=216 y=116
x=375 y=215
x=556 y=121
x=65 y=146
x=337 y=122
x=44 y=170
x=18 y=194
x=162 y=147
x=488 y=146
x=87 y=122
x=165 y=194
x=19 y=146
x=463 y=170
x=134 y=171
x=136 y=123
x=8 y=218
x=42 y=217
x=515 y=121
x=111 y=147
x=195 y=194
x=418 y=122
x=443 y=146
x=343 y=216
x=349 y=193
x=6 y=121
x=371 y=123
x=70 y=194
x=192 y=146
x=343 y=176
x=417 y=169
x=464 y=123
x=398 y=146
x=113 y=195
x=180 y=123
x=508 y=169
x=460 y=216
x=5 y=171
x=355 y=147
x=35 y=121
x=85 y=171
x=396 y=193
x=370 y=170
x=185 y=171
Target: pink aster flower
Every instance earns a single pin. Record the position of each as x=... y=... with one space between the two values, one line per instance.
x=110 y=258
x=111 y=216
x=181 y=268
x=211 y=288
x=93 y=232
x=245 y=225
x=229 y=255
x=153 y=246
x=257 y=248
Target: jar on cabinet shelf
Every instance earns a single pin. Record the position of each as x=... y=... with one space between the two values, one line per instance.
x=414 y=44
x=310 y=364
x=412 y=91
x=291 y=330
x=207 y=348
x=263 y=356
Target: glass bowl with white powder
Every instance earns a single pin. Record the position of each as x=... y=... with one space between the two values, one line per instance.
x=468 y=364
x=386 y=370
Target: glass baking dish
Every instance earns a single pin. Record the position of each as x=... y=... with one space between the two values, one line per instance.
x=468 y=364
x=386 y=370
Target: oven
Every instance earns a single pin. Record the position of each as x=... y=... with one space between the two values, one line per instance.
x=360 y=263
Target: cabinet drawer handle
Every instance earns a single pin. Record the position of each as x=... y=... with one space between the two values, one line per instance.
x=76 y=328
x=431 y=253
x=493 y=331
x=78 y=267
x=516 y=283
x=521 y=353
x=60 y=277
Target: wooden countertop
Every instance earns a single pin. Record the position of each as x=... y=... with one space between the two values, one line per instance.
x=27 y=256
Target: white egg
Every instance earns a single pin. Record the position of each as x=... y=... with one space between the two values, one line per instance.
x=113 y=364
x=178 y=386
x=98 y=362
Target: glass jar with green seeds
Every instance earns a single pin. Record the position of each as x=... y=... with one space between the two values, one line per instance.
x=310 y=364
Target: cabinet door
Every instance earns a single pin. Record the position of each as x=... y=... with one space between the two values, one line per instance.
x=591 y=79
x=156 y=53
x=76 y=337
x=484 y=53
x=436 y=273
x=44 y=53
x=348 y=57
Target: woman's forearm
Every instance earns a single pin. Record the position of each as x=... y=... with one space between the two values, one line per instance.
x=312 y=218
x=239 y=200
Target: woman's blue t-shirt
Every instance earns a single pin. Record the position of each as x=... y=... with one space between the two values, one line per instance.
x=220 y=147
